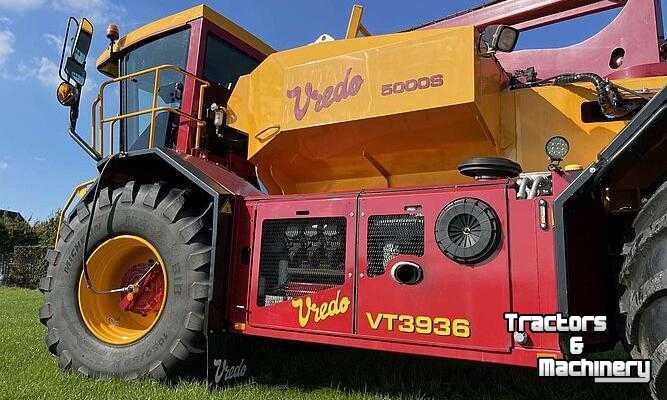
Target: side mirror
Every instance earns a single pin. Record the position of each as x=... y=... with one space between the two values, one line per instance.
x=75 y=65
x=498 y=38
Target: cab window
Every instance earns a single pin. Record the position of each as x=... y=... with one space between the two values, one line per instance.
x=224 y=63
x=137 y=93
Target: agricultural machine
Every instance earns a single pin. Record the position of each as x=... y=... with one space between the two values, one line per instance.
x=397 y=192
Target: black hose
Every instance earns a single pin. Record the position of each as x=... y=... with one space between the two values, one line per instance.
x=96 y=194
x=611 y=102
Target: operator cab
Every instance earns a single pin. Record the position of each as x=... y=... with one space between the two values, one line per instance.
x=209 y=52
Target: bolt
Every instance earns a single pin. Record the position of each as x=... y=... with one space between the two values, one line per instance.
x=521 y=338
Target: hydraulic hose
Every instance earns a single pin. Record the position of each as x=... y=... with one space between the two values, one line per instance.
x=89 y=284
x=611 y=102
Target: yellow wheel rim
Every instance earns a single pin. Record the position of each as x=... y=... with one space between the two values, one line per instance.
x=108 y=267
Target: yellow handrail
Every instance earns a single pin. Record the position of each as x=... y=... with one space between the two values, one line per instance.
x=97 y=125
x=77 y=191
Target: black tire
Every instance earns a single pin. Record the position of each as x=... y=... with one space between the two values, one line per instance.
x=644 y=302
x=166 y=217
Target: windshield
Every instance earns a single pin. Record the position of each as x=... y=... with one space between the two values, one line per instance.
x=137 y=93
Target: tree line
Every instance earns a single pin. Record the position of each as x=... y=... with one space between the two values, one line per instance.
x=19 y=232
x=23 y=249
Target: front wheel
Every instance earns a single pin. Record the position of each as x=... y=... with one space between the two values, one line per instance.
x=644 y=302
x=154 y=234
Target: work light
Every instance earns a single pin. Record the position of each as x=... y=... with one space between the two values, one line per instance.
x=557 y=148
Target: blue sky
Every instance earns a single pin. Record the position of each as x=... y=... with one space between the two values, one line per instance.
x=39 y=164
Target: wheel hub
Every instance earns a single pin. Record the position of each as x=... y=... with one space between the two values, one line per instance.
x=120 y=262
x=146 y=297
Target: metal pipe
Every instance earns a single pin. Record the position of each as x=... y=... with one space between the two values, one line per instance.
x=147 y=111
x=99 y=103
x=111 y=131
x=156 y=87
x=200 y=114
x=523 y=182
x=521 y=12
x=68 y=202
x=93 y=121
x=85 y=146
x=533 y=189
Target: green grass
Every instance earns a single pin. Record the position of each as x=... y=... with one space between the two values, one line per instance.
x=293 y=371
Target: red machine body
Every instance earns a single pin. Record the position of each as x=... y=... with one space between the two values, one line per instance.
x=382 y=313
x=429 y=270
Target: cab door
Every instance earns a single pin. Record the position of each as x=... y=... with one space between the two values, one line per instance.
x=451 y=304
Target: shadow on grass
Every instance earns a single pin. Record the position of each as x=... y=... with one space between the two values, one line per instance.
x=313 y=367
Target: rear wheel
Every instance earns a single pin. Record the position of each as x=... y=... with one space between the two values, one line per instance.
x=152 y=233
x=644 y=303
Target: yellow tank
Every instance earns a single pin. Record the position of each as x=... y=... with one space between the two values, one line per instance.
x=403 y=110
x=380 y=111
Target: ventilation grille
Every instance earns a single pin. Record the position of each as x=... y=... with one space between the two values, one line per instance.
x=390 y=236
x=300 y=256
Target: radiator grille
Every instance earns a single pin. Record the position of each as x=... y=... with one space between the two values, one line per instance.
x=300 y=256
x=390 y=236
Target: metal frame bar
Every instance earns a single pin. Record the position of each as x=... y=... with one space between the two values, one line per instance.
x=354 y=26
x=97 y=125
x=77 y=190
x=526 y=14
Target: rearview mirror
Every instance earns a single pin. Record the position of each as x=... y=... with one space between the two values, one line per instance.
x=75 y=65
x=498 y=38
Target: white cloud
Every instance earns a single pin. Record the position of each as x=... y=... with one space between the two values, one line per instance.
x=55 y=41
x=43 y=69
x=3 y=165
x=20 y=5
x=98 y=11
x=47 y=73
x=6 y=45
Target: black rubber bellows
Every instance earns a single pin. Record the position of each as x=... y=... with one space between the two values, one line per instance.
x=489 y=168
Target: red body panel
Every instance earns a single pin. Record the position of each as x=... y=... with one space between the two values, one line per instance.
x=196 y=50
x=479 y=294
x=284 y=315
x=519 y=277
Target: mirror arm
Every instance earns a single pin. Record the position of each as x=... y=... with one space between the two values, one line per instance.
x=73 y=116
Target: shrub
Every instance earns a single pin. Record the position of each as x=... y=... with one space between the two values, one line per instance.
x=15 y=232
x=28 y=266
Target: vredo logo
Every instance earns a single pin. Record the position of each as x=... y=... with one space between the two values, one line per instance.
x=348 y=87
x=320 y=312
x=225 y=371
